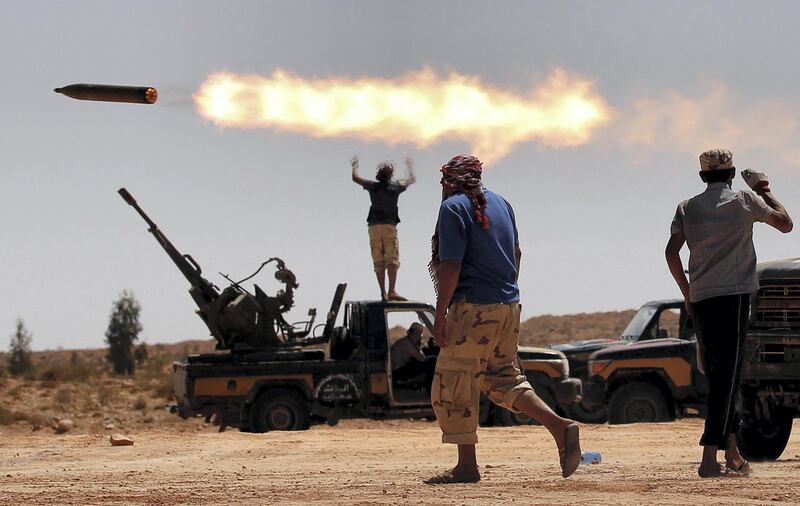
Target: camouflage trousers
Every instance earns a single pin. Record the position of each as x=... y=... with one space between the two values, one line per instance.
x=481 y=356
x=384 y=246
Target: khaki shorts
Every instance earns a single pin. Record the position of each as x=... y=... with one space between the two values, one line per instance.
x=481 y=356
x=384 y=246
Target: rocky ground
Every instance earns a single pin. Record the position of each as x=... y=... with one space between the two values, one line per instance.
x=371 y=462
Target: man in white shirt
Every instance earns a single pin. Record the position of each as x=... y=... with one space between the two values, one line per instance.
x=717 y=226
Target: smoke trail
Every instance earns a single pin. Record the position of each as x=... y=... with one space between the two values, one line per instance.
x=716 y=116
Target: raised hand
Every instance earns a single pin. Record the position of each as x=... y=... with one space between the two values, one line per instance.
x=756 y=180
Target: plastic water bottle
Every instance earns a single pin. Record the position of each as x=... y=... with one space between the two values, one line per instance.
x=591 y=458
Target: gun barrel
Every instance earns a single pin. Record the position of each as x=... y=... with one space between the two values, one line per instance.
x=185 y=263
x=128 y=198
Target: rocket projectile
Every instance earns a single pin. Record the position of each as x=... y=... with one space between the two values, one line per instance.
x=110 y=93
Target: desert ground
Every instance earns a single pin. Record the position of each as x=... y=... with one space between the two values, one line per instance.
x=373 y=462
x=176 y=461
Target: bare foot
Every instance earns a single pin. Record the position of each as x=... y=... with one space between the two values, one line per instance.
x=455 y=475
x=710 y=470
x=396 y=297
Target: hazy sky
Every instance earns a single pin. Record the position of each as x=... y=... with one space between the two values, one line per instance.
x=681 y=77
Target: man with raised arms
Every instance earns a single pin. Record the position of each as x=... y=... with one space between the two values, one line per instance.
x=382 y=221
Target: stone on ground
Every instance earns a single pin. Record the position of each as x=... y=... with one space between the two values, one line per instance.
x=120 y=440
x=64 y=425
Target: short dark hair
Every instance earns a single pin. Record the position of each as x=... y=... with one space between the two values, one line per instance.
x=717 y=176
x=416 y=325
x=385 y=172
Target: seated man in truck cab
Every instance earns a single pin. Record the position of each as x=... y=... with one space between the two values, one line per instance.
x=408 y=360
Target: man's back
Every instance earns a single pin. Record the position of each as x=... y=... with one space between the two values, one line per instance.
x=402 y=352
x=383 y=199
x=718 y=227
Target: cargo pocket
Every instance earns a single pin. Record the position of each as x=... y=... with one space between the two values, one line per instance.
x=454 y=379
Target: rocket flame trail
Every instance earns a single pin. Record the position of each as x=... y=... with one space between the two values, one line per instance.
x=420 y=108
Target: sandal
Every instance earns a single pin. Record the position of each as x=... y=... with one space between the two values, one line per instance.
x=743 y=469
x=730 y=473
x=570 y=456
x=448 y=477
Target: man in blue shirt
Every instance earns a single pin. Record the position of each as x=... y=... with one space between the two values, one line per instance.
x=475 y=265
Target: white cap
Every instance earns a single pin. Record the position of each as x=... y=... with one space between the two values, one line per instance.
x=716 y=159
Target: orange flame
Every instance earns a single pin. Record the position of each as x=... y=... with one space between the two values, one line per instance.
x=419 y=108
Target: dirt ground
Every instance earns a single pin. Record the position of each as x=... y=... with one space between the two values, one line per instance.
x=374 y=462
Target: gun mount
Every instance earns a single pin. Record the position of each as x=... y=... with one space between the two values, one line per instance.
x=238 y=320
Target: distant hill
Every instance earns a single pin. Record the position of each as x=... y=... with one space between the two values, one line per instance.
x=555 y=329
x=79 y=384
x=537 y=331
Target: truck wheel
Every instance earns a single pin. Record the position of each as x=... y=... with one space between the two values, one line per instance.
x=638 y=402
x=283 y=410
x=485 y=409
x=765 y=439
x=579 y=412
x=505 y=418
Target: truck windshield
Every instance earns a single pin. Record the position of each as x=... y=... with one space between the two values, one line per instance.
x=399 y=321
x=638 y=323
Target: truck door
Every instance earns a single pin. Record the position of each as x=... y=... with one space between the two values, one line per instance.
x=409 y=367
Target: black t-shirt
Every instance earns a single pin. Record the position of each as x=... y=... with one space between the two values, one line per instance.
x=383 y=197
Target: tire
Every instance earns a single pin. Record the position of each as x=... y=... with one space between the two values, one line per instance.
x=578 y=412
x=638 y=402
x=485 y=409
x=279 y=410
x=505 y=418
x=765 y=439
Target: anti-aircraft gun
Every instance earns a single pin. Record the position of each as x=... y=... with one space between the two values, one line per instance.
x=238 y=320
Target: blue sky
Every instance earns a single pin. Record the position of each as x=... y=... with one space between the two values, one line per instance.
x=681 y=77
